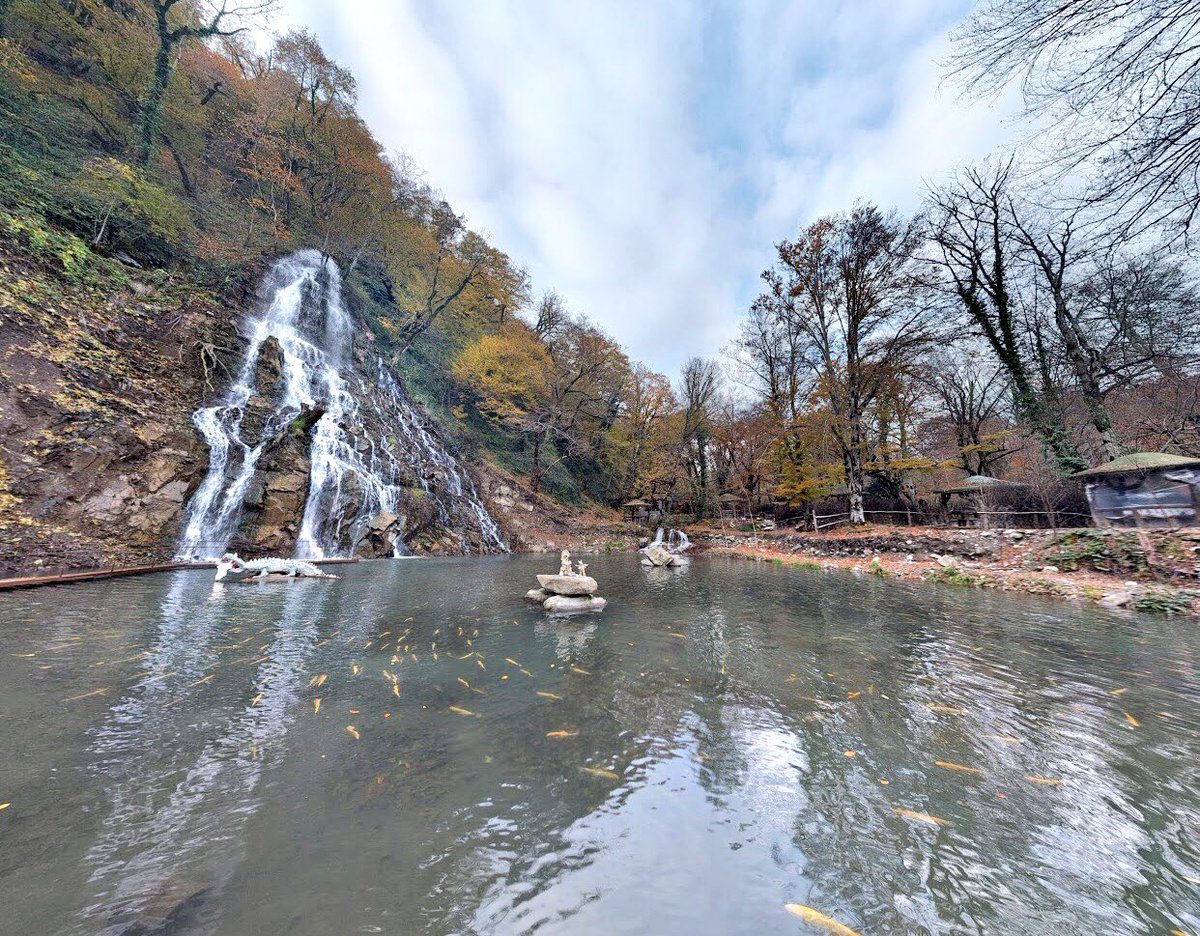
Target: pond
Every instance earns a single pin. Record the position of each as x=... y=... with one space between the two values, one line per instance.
x=412 y=749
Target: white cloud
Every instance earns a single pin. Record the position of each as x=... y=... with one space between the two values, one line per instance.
x=642 y=158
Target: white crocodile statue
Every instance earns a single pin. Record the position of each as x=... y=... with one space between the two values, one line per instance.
x=231 y=567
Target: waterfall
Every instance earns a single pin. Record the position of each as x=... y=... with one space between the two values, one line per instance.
x=367 y=436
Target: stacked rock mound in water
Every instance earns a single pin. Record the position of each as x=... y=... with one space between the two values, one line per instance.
x=569 y=590
x=657 y=555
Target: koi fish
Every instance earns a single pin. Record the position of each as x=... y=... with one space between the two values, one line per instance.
x=396 y=690
x=677 y=634
x=512 y=661
x=817 y=918
x=1117 y=691
x=950 y=765
x=920 y=816
x=561 y=733
x=576 y=669
x=549 y=695
x=354 y=732
x=256 y=699
x=601 y=772
x=1009 y=739
x=1129 y=718
x=948 y=709
x=1049 y=781
x=316 y=706
x=458 y=709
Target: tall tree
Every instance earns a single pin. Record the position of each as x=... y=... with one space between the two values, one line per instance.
x=698 y=387
x=975 y=250
x=177 y=22
x=846 y=286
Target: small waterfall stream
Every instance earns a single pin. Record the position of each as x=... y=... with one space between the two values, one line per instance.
x=366 y=439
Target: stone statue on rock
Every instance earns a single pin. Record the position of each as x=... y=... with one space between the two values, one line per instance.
x=568 y=590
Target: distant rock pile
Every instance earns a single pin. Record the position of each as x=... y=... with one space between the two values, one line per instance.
x=658 y=555
x=568 y=590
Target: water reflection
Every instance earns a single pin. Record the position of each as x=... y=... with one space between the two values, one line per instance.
x=724 y=739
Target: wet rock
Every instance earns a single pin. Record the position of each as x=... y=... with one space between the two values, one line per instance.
x=569 y=585
x=1117 y=599
x=559 y=604
x=537 y=594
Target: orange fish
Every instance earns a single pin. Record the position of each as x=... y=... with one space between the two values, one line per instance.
x=817 y=918
x=1049 y=781
x=1129 y=718
x=353 y=731
x=561 y=733
x=458 y=709
x=950 y=765
x=549 y=695
x=920 y=816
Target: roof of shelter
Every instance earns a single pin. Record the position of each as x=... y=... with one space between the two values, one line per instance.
x=1140 y=462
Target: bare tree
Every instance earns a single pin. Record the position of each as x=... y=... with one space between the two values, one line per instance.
x=1119 y=78
x=973 y=393
x=974 y=253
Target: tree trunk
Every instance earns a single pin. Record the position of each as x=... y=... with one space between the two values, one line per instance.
x=152 y=106
x=535 y=469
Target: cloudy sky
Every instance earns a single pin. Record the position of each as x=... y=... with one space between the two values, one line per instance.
x=642 y=157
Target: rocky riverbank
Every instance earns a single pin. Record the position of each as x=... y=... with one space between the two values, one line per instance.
x=1158 y=571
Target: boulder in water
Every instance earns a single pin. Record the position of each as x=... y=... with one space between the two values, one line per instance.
x=558 y=604
x=571 y=585
x=537 y=594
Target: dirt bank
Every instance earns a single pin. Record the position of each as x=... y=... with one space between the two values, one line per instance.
x=1151 y=572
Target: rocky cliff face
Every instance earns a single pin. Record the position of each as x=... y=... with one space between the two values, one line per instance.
x=99 y=456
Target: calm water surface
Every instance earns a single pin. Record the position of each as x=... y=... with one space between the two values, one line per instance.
x=737 y=737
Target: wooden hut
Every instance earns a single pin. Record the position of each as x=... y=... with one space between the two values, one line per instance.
x=1145 y=489
x=638 y=509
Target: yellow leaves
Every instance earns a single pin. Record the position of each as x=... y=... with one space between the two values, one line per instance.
x=354 y=732
x=920 y=816
x=817 y=918
x=950 y=765
x=562 y=733
x=86 y=695
x=459 y=710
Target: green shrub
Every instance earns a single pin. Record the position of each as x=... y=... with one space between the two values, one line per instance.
x=1161 y=601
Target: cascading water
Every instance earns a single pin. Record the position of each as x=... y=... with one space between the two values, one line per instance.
x=367 y=437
